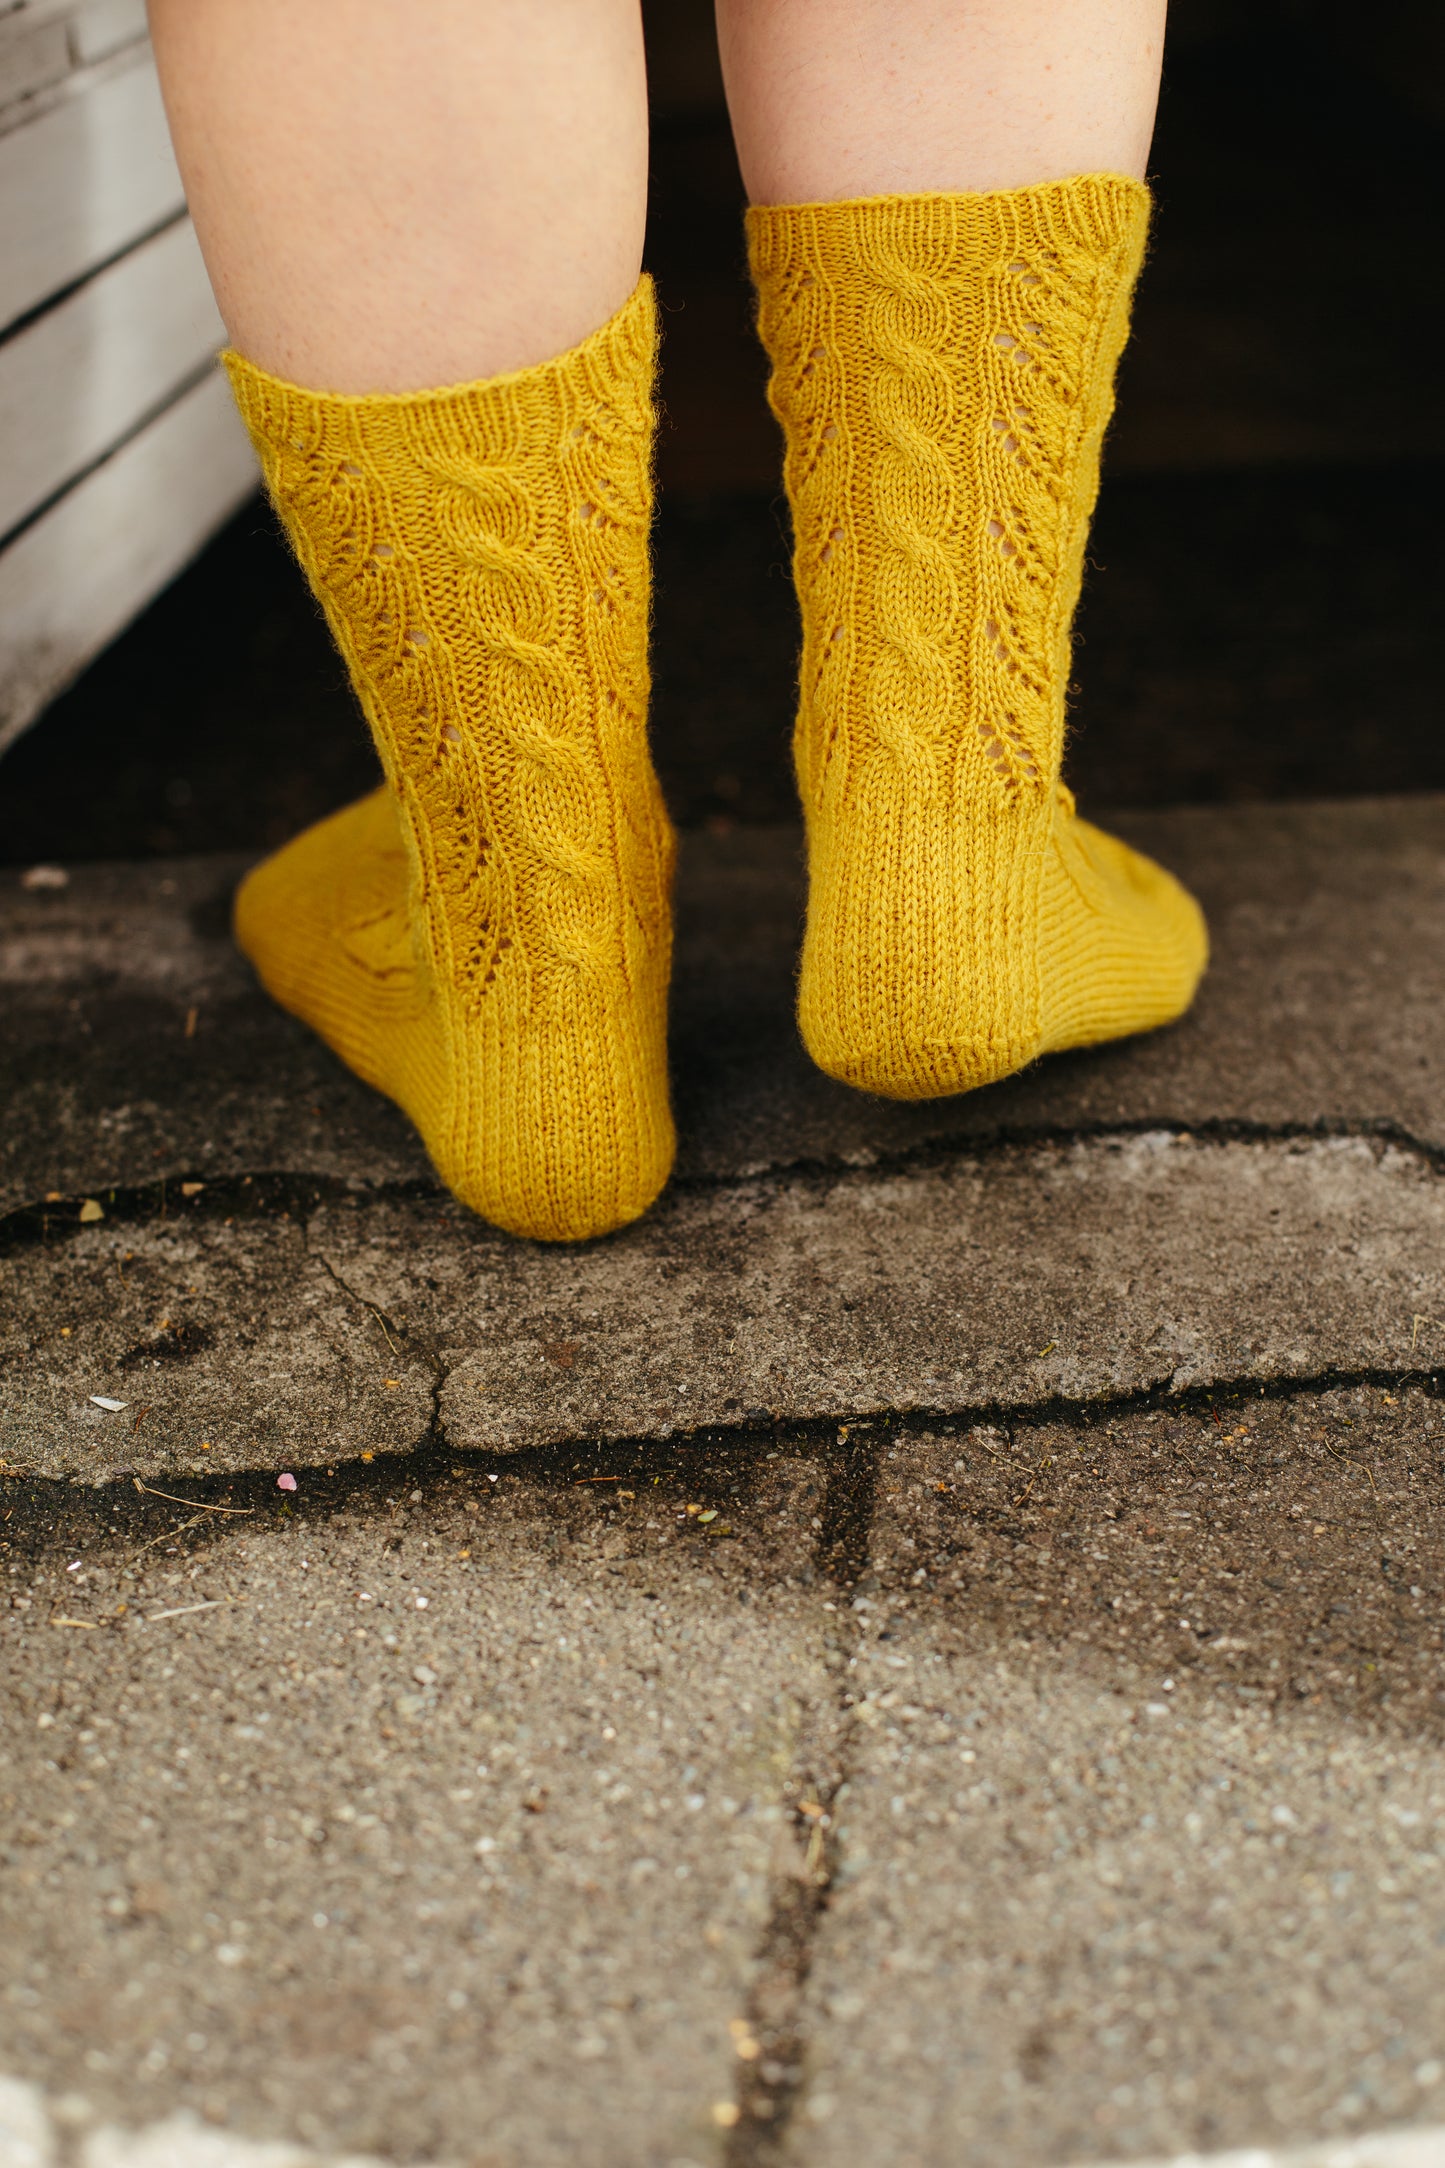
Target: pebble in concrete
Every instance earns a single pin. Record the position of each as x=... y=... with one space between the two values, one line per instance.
x=1141 y=1844
x=1383 y=2149
x=27 y=2139
x=33 y=2131
x=181 y=2142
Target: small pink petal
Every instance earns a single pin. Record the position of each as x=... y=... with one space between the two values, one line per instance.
x=285 y=1482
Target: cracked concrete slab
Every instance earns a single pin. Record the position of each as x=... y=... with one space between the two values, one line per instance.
x=137 y=1045
x=437 y=1824
x=1025 y=1276
x=1053 y=1792
x=988 y=1700
x=318 y=1295
x=1109 y=1266
x=1140 y=1844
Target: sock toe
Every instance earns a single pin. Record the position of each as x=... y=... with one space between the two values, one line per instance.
x=1122 y=944
x=324 y=922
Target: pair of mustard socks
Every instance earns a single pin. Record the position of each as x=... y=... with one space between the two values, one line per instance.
x=487 y=937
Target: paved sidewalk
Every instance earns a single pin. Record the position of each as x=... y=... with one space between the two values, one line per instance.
x=927 y=1649
x=212 y=1222
x=139 y=1049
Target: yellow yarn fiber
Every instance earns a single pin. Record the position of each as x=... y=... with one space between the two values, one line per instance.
x=943 y=370
x=487 y=937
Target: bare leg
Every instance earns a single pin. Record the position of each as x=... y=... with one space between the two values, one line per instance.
x=393 y=197
x=833 y=99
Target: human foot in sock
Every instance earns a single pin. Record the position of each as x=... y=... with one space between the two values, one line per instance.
x=943 y=369
x=487 y=938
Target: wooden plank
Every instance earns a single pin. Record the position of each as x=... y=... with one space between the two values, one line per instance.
x=103 y=26
x=77 y=577
x=89 y=30
x=82 y=376
x=32 y=56
x=81 y=182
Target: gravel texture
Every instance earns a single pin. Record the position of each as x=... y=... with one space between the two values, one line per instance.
x=523 y=1813
x=428 y=1822
x=1141 y=1845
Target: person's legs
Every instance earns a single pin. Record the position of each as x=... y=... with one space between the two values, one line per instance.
x=948 y=219
x=451 y=195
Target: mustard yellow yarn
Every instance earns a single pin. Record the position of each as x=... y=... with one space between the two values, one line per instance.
x=487 y=937
x=943 y=367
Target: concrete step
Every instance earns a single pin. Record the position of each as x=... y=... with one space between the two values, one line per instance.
x=1322 y=1009
x=268 y=1272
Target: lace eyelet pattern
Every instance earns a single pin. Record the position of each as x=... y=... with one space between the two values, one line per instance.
x=482 y=559
x=934 y=370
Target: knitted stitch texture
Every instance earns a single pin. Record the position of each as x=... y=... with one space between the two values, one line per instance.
x=487 y=937
x=943 y=368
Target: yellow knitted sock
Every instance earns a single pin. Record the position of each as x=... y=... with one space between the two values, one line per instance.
x=943 y=370
x=487 y=937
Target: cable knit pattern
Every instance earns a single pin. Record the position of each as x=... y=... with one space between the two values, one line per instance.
x=488 y=938
x=943 y=370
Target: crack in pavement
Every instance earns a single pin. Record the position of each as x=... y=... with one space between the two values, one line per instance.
x=889 y=1475
x=837 y=1298
x=262 y=1195
x=434 y=1435
x=772 y=2043
x=270 y=1193
x=625 y=1453
x=1006 y=1137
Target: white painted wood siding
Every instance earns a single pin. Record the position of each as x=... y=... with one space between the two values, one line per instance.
x=120 y=451
x=81 y=182
x=118 y=345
